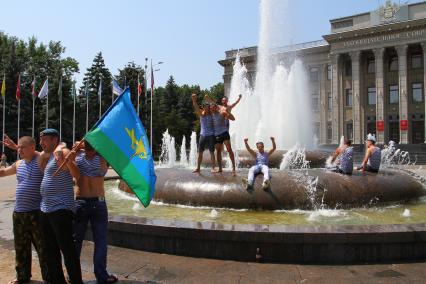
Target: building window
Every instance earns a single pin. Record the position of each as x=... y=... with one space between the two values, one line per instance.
x=329 y=101
x=315 y=102
x=329 y=72
x=393 y=94
x=371 y=66
x=348 y=97
x=371 y=95
x=314 y=76
x=348 y=69
x=329 y=132
x=349 y=130
x=416 y=61
x=417 y=91
x=393 y=64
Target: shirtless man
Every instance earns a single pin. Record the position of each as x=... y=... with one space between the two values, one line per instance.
x=91 y=207
x=207 y=135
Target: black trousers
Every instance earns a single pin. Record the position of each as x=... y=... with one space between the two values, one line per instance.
x=58 y=231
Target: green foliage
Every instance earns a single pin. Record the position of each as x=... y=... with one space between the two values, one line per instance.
x=172 y=104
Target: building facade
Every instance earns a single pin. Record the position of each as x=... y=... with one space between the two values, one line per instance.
x=366 y=76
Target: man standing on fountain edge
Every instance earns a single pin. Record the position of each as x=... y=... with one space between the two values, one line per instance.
x=262 y=161
x=207 y=138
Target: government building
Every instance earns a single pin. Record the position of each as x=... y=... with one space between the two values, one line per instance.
x=366 y=76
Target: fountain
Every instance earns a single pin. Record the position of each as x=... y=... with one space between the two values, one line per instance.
x=183 y=156
x=309 y=215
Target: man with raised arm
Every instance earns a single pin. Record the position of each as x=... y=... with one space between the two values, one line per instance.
x=221 y=116
x=207 y=138
x=26 y=214
x=261 y=166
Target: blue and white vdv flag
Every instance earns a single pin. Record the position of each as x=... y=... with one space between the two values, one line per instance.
x=116 y=89
x=44 y=90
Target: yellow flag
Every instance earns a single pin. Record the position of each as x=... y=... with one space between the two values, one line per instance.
x=3 y=87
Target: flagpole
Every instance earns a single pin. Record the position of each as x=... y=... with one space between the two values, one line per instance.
x=138 y=97
x=100 y=98
x=19 y=116
x=150 y=124
x=87 y=110
x=4 y=107
x=47 y=107
x=32 y=132
x=32 y=95
x=60 y=109
x=73 y=113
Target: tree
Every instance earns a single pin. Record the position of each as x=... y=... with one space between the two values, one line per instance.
x=91 y=81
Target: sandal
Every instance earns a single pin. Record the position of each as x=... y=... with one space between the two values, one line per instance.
x=112 y=279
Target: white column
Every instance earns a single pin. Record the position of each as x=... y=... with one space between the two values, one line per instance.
x=380 y=89
x=403 y=96
x=423 y=44
x=323 y=105
x=356 y=105
x=335 y=87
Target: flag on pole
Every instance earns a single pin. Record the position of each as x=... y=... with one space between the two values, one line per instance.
x=60 y=90
x=139 y=87
x=116 y=89
x=120 y=138
x=44 y=90
x=33 y=91
x=3 y=87
x=18 y=88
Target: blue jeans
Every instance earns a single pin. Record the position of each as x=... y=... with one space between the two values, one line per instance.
x=95 y=211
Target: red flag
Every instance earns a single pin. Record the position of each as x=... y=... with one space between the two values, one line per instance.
x=139 y=87
x=18 y=88
x=33 y=91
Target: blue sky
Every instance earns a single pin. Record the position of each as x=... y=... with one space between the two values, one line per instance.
x=190 y=36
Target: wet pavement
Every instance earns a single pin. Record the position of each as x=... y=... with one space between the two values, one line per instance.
x=142 y=267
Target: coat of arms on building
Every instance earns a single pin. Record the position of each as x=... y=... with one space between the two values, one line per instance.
x=388 y=11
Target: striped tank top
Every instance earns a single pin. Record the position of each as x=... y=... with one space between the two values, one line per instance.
x=375 y=159
x=57 y=192
x=206 y=125
x=29 y=176
x=262 y=158
x=347 y=160
x=90 y=167
x=220 y=124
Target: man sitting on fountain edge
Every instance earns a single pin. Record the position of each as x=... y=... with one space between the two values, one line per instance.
x=373 y=156
x=344 y=157
x=262 y=161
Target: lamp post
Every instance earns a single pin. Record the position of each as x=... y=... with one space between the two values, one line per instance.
x=152 y=93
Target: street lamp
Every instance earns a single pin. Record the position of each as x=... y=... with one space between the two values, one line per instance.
x=152 y=93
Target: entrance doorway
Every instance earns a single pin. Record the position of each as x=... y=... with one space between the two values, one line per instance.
x=418 y=132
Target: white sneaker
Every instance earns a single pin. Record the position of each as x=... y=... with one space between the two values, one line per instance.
x=266 y=184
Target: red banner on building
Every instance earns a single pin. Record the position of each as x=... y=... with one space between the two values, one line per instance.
x=380 y=125
x=403 y=124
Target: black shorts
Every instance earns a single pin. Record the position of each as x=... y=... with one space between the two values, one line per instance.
x=206 y=142
x=222 y=137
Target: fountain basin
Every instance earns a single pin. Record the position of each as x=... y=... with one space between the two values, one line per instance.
x=296 y=189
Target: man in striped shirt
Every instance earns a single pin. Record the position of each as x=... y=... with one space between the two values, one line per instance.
x=57 y=206
x=26 y=215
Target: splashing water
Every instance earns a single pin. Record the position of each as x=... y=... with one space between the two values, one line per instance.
x=392 y=156
x=168 y=150
x=193 y=150
x=295 y=158
x=274 y=106
x=406 y=213
x=183 y=155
